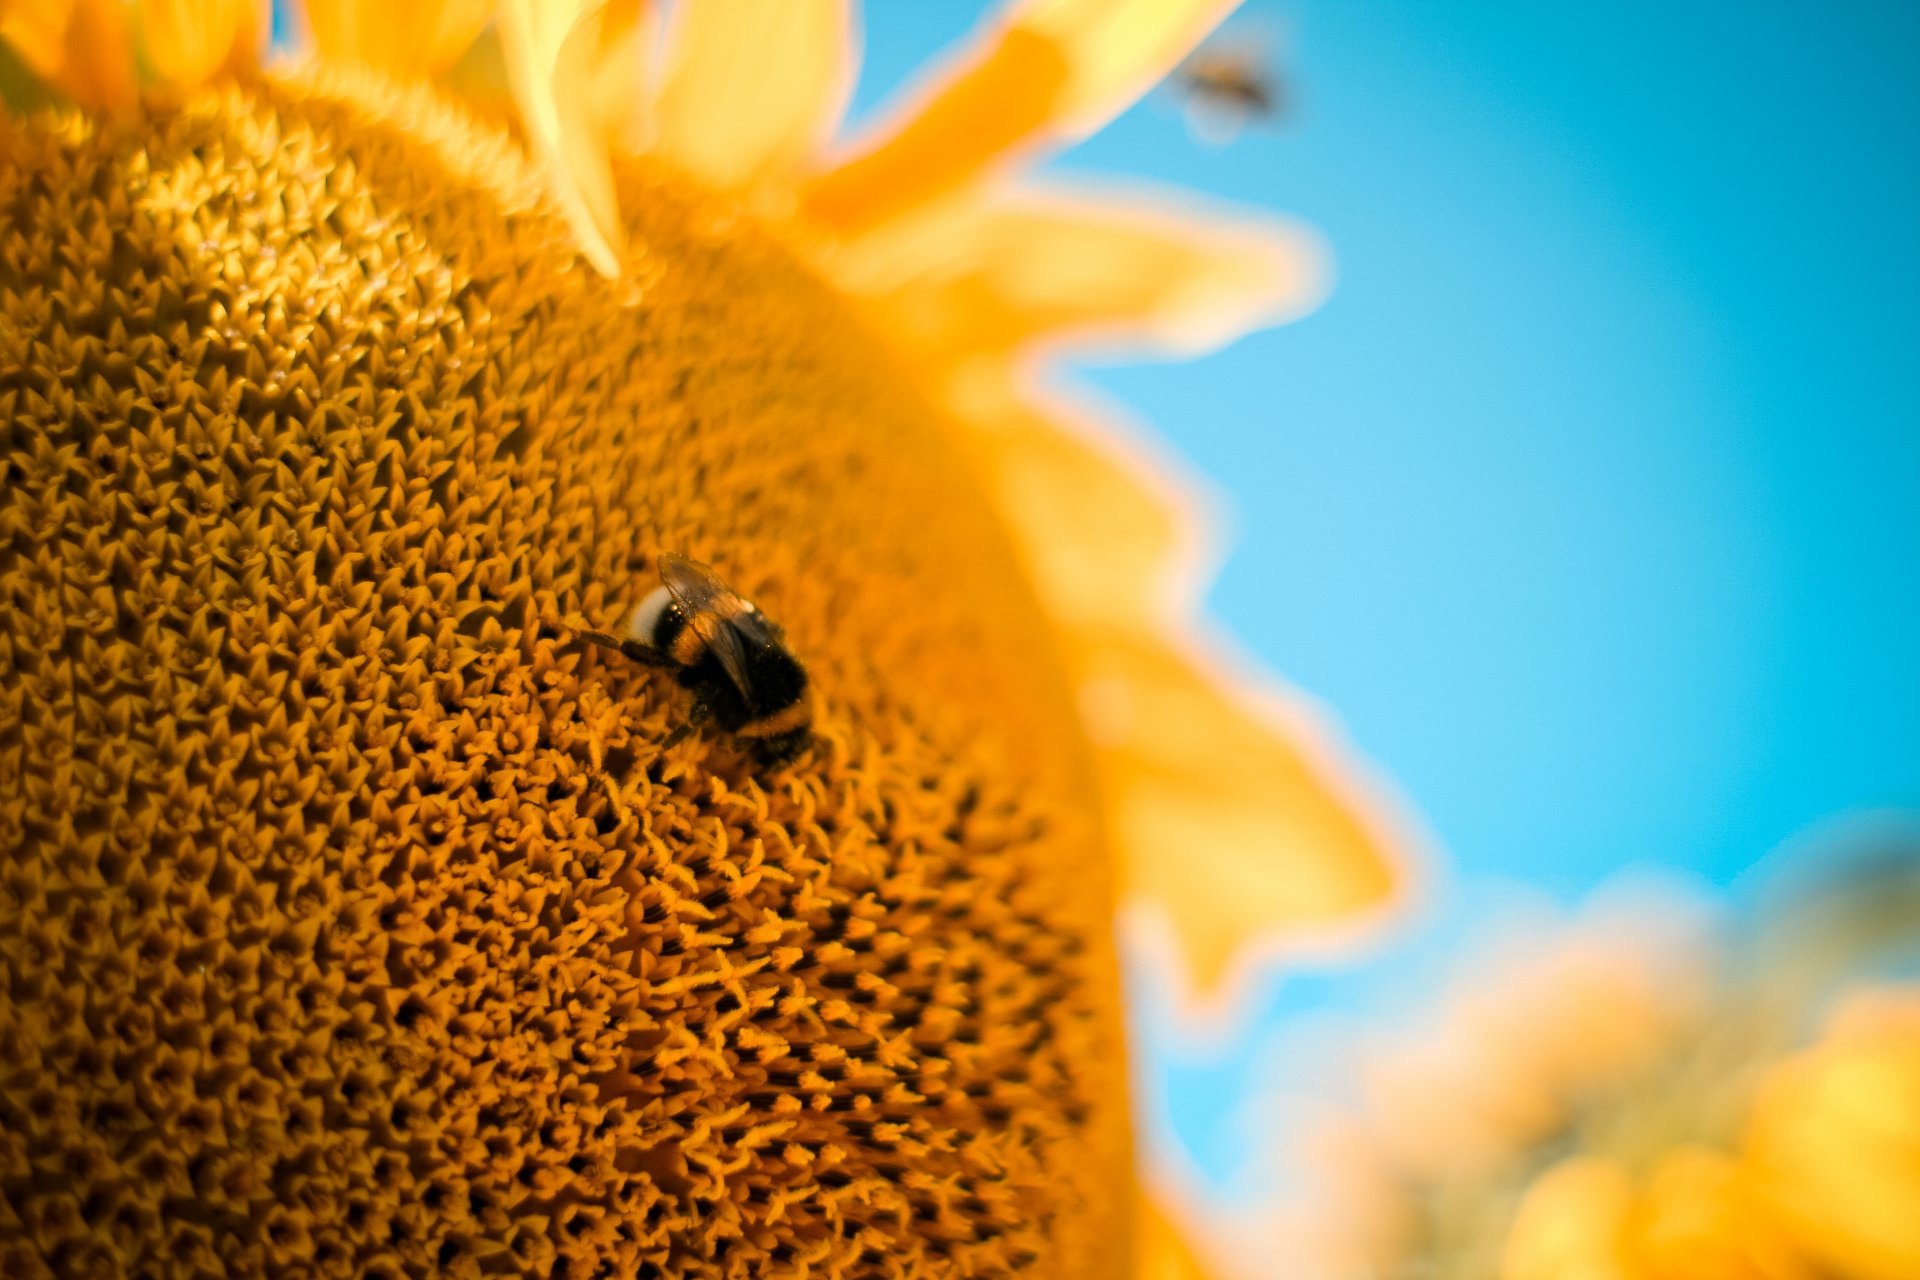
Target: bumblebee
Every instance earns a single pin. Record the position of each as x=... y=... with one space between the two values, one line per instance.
x=732 y=657
x=1231 y=78
x=1228 y=85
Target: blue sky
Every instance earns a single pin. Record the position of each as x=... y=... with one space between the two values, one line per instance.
x=1590 y=502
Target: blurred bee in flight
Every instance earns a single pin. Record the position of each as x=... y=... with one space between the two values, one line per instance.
x=731 y=656
x=1228 y=85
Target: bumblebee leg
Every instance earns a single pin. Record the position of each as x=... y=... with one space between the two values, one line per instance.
x=632 y=649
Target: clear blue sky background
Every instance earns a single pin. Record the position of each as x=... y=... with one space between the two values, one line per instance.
x=1591 y=500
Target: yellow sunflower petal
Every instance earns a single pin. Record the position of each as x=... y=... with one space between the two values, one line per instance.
x=991 y=272
x=1835 y=1138
x=1161 y=1251
x=565 y=59
x=1699 y=1215
x=751 y=86
x=1236 y=814
x=412 y=39
x=83 y=48
x=1119 y=49
x=1571 y=1223
x=1053 y=70
x=1235 y=819
x=188 y=42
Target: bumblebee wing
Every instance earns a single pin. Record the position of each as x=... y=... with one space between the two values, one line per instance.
x=751 y=652
x=698 y=591
x=730 y=647
x=693 y=586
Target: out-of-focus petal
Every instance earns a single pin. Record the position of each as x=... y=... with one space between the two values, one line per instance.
x=1000 y=100
x=1161 y=1251
x=752 y=86
x=992 y=272
x=576 y=67
x=1234 y=819
x=613 y=65
x=1835 y=1139
x=1698 y=1217
x=1570 y=1224
x=83 y=48
x=1236 y=815
x=188 y=42
x=1118 y=49
x=478 y=78
x=1049 y=70
x=37 y=30
x=408 y=39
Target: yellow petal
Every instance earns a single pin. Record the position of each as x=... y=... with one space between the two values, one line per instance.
x=575 y=66
x=1236 y=820
x=752 y=86
x=1051 y=71
x=612 y=59
x=1699 y=1218
x=1161 y=1251
x=994 y=271
x=1571 y=1224
x=478 y=79
x=83 y=48
x=1835 y=1139
x=408 y=39
x=1119 y=48
x=1237 y=816
x=188 y=42
x=37 y=30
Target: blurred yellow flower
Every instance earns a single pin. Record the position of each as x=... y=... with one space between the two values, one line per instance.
x=363 y=925
x=1835 y=1139
x=1620 y=1100
x=1694 y=1216
x=1408 y=1154
x=1548 y=1017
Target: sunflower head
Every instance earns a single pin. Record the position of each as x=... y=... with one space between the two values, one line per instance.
x=366 y=922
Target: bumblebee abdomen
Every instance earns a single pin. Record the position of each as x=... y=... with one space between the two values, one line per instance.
x=776 y=678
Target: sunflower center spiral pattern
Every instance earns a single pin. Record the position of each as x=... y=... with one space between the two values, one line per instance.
x=352 y=920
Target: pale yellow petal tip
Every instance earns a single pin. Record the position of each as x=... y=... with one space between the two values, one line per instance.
x=562 y=59
x=751 y=89
x=1117 y=49
x=1206 y=274
x=1040 y=72
x=1040 y=270
x=1250 y=839
x=1247 y=829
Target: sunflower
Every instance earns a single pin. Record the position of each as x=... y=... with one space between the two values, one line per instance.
x=1819 y=1180
x=356 y=919
x=1628 y=1095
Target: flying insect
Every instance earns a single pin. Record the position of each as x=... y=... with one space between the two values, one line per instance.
x=1228 y=85
x=732 y=657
